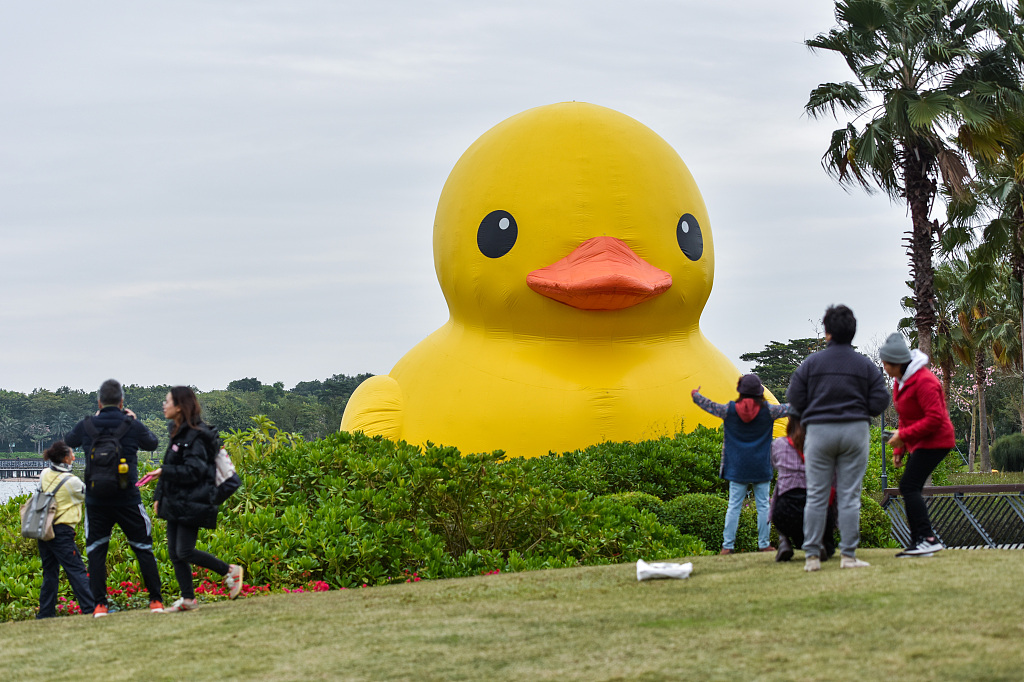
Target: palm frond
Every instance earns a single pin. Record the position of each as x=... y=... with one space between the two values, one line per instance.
x=953 y=170
x=828 y=96
x=863 y=15
x=927 y=109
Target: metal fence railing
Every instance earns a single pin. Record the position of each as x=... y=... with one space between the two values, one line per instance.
x=21 y=468
x=965 y=517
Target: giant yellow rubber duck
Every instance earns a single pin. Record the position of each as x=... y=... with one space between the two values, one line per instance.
x=575 y=253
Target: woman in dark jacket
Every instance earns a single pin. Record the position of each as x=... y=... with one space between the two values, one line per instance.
x=184 y=496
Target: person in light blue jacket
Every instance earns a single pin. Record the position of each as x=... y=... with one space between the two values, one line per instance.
x=746 y=454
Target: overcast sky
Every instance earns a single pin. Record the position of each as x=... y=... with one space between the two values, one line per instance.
x=196 y=192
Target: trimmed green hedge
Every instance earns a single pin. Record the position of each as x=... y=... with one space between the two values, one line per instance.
x=1008 y=452
x=665 y=468
x=703 y=515
x=351 y=510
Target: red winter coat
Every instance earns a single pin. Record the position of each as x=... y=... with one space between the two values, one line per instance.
x=923 y=417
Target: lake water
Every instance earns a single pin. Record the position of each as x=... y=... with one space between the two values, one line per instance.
x=9 y=489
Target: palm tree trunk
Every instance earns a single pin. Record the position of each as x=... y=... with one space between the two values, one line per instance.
x=973 y=441
x=1017 y=268
x=920 y=192
x=979 y=382
x=1022 y=346
x=947 y=379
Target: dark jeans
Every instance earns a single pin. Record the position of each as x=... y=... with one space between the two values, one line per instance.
x=788 y=519
x=181 y=545
x=99 y=523
x=920 y=465
x=60 y=552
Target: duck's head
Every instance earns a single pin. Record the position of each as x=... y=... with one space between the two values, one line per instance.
x=570 y=221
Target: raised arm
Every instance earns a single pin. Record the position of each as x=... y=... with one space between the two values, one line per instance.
x=708 y=405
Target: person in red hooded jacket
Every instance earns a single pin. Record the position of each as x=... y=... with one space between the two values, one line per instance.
x=746 y=454
x=924 y=436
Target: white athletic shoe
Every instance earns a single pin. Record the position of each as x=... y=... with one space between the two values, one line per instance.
x=924 y=548
x=852 y=562
x=233 y=580
x=812 y=563
x=182 y=605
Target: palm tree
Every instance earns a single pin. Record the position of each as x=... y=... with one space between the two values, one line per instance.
x=947 y=325
x=979 y=301
x=62 y=423
x=10 y=429
x=37 y=432
x=1002 y=309
x=924 y=69
x=992 y=217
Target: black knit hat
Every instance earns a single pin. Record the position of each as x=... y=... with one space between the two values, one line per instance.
x=750 y=384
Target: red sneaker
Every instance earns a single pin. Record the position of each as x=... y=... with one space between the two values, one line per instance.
x=156 y=606
x=100 y=611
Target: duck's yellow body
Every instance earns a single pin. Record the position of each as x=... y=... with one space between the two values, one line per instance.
x=575 y=253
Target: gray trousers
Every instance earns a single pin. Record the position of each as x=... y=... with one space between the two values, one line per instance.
x=839 y=450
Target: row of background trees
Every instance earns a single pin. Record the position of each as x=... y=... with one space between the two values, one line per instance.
x=30 y=422
x=935 y=110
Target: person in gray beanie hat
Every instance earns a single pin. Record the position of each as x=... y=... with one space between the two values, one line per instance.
x=924 y=435
x=894 y=350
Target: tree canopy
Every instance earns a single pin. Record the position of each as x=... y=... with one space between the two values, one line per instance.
x=30 y=422
x=777 y=362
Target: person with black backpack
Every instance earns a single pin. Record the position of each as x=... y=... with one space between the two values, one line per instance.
x=185 y=496
x=110 y=441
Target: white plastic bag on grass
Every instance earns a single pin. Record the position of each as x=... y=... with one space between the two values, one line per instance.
x=646 y=571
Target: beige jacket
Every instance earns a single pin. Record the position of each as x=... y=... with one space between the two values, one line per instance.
x=69 y=498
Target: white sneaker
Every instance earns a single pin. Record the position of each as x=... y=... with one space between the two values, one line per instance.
x=852 y=562
x=182 y=605
x=812 y=563
x=233 y=580
x=924 y=548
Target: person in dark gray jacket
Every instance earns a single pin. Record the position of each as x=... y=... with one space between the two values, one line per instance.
x=836 y=391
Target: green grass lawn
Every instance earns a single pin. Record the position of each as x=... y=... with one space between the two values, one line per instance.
x=986 y=479
x=958 y=615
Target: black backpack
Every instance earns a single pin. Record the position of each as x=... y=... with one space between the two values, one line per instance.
x=103 y=477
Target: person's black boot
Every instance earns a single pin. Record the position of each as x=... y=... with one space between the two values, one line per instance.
x=785 y=551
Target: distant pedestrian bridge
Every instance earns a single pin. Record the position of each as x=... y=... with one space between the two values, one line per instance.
x=21 y=468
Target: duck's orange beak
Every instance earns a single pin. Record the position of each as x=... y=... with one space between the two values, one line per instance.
x=602 y=273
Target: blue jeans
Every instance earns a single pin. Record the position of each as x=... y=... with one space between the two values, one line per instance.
x=737 y=493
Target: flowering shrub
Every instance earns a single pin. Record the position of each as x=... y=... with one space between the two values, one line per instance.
x=312 y=586
x=67 y=608
x=352 y=511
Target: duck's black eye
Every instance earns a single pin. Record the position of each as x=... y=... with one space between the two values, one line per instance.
x=689 y=237
x=497 y=234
